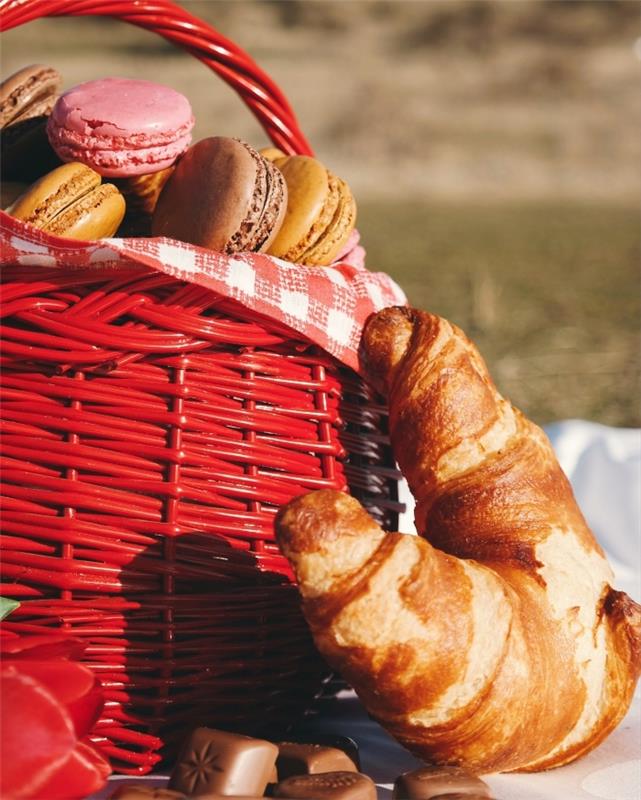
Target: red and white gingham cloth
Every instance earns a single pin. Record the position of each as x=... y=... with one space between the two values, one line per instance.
x=327 y=305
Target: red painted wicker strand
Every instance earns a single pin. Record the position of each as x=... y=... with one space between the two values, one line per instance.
x=173 y=23
x=150 y=431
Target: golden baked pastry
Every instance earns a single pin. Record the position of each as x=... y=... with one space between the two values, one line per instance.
x=494 y=640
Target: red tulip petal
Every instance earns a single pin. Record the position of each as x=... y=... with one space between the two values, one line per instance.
x=82 y=773
x=36 y=734
x=86 y=711
x=102 y=765
x=41 y=646
x=72 y=684
x=66 y=680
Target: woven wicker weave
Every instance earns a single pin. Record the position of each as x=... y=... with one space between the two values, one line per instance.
x=151 y=429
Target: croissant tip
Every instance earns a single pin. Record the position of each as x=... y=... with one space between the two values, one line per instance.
x=385 y=339
x=385 y=321
x=624 y=615
x=299 y=524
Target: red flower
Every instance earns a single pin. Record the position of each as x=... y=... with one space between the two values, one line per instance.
x=48 y=705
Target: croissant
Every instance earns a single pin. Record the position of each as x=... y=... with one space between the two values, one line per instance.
x=493 y=640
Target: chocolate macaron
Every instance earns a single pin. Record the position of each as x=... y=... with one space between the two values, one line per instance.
x=71 y=201
x=223 y=195
x=321 y=213
x=26 y=100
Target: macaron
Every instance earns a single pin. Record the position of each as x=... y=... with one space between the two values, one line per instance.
x=121 y=127
x=223 y=195
x=71 y=201
x=141 y=193
x=272 y=153
x=26 y=100
x=321 y=213
x=10 y=191
x=30 y=92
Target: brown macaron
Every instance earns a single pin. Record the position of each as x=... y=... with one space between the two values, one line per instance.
x=321 y=213
x=223 y=195
x=71 y=201
x=26 y=100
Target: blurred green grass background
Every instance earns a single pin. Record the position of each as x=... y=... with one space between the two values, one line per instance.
x=493 y=147
x=548 y=292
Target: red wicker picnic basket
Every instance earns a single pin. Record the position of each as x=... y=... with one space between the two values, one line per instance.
x=139 y=490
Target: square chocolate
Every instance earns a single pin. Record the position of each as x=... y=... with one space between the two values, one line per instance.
x=328 y=786
x=462 y=796
x=310 y=759
x=428 y=783
x=343 y=743
x=215 y=796
x=142 y=791
x=217 y=762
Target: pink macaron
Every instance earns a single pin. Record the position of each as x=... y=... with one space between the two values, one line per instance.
x=121 y=127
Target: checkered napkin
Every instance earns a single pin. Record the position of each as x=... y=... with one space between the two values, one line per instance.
x=326 y=305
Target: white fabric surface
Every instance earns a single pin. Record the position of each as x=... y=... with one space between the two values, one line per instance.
x=604 y=466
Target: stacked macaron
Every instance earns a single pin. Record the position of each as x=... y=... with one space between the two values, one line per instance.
x=219 y=193
x=121 y=127
x=321 y=213
x=72 y=201
x=26 y=100
x=222 y=195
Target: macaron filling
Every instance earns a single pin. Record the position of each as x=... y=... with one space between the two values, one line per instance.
x=58 y=199
x=337 y=232
x=319 y=230
x=84 y=205
x=267 y=207
x=96 y=135
x=120 y=163
x=275 y=208
x=328 y=210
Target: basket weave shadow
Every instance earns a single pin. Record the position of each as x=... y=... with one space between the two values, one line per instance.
x=150 y=430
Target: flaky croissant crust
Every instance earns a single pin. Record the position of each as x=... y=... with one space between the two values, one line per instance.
x=493 y=640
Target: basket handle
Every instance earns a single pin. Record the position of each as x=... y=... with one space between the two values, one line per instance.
x=256 y=89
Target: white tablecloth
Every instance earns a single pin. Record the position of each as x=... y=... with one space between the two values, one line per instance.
x=604 y=465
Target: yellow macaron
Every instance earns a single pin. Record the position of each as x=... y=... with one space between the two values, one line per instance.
x=321 y=213
x=272 y=153
x=71 y=201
